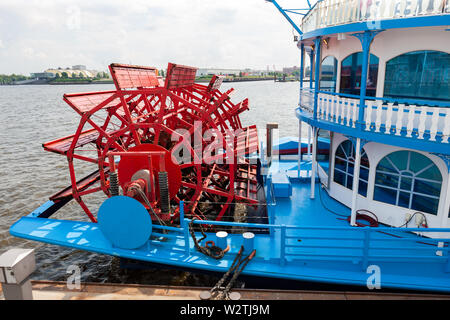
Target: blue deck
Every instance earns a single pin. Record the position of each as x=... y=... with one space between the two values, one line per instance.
x=307 y=242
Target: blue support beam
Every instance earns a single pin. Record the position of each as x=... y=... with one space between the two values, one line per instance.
x=311 y=65
x=302 y=66
x=317 y=47
x=283 y=12
x=366 y=38
x=294 y=12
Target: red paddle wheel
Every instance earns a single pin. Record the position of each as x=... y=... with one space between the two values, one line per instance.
x=161 y=141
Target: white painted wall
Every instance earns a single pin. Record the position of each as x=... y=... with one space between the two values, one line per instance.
x=386 y=213
x=389 y=44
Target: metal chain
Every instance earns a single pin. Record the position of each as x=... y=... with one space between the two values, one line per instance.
x=237 y=273
x=237 y=267
x=231 y=269
x=211 y=251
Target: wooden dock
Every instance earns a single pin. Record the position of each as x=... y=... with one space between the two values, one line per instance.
x=53 y=290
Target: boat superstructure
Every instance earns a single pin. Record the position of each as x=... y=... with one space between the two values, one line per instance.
x=377 y=106
x=390 y=132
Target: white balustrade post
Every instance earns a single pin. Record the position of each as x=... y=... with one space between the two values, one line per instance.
x=399 y=124
x=410 y=125
x=388 y=118
x=434 y=123
x=342 y=104
x=349 y=111
x=335 y=105
x=446 y=131
x=369 y=108
x=422 y=121
x=338 y=109
x=379 y=113
x=328 y=111
x=355 y=112
x=320 y=105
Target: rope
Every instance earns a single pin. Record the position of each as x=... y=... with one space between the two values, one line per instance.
x=209 y=249
x=237 y=267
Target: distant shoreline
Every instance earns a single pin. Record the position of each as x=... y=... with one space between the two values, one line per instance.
x=238 y=79
x=61 y=83
x=58 y=83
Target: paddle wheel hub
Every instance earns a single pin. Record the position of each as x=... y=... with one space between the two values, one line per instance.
x=161 y=141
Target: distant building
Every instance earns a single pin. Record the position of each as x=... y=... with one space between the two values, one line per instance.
x=217 y=71
x=79 y=67
x=291 y=70
x=43 y=75
x=258 y=72
x=76 y=71
x=229 y=72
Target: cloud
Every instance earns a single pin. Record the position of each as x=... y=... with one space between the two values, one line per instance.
x=39 y=34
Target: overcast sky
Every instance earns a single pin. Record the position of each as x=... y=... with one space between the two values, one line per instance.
x=38 y=34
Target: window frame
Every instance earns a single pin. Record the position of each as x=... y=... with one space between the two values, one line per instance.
x=407 y=173
x=415 y=97
x=369 y=92
x=336 y=69
x=350 y=159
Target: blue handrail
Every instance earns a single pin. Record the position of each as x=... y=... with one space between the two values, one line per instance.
x=356 y=229
x=438 y=103
x=168 y=228
x=364 y=255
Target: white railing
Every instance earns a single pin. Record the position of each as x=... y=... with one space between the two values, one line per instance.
x=328 y=13
x=411 y=121
x=340 y=110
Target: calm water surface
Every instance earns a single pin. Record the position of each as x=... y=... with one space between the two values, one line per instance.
x=31 y=115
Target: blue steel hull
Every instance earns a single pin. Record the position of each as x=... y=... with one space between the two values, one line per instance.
x=278 y=255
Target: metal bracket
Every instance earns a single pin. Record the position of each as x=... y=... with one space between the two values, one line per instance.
x=366 y=37
x=363 y=142
x=283 y=12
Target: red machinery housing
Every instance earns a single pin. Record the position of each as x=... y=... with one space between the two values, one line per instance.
x=152 y=123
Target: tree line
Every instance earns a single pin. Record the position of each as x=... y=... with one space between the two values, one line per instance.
x=12 y=78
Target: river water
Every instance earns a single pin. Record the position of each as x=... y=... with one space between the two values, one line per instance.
x=31 y=115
